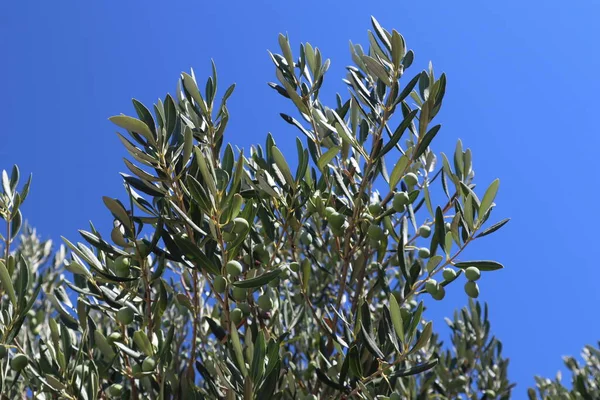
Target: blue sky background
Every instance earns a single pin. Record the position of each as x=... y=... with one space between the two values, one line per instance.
x=522 y=94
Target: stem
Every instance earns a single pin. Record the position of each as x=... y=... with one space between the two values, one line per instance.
x=357 y=209
x=7 y=240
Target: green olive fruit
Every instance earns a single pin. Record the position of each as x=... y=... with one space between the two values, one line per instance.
x=306 y=238
x=295 y=266
x=19 y=362
x=3 y=351
x=244 y=308
x=395 y=396
x=336 y=220
x=449 y=274
x=239 y=294
x=431 y=286
x=424 y=231
x=148 y=364
x=448 y=227
x=82 y=369
x=311 y=397
x=411 y=179
x=440 y=294
x=424 y=252
x=240 y=225
x=298 y=298
x=236 y=315
x=234 y=268
x=115 y=390
x=125 y=315
x=338 y=232
x=229 y=236
x=264 y=302
x=398 y=203
x=375 y=208
x=375 y=232
x=114 y=337
x=329 y=211
x=122 y=264
x=220 y=283
x=473 y=273
x=471 y=289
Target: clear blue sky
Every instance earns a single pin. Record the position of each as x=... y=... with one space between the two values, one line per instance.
x=522 y=94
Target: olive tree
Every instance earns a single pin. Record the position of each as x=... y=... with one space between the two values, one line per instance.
x=250 y=274
x=584 y=383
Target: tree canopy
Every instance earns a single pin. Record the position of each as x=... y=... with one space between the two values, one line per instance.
x=233 y=274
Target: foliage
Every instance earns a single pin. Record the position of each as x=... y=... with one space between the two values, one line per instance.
x=233 y=275
x=584 y=383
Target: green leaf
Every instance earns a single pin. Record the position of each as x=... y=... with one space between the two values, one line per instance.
x=414 y=370
x=117 y=209
x=365 y=326
x=145 y=115
x=7 y=283
x=15 y=224
x=6 y=184
x=415 y=321
x=448 y=243
x=346 y=135
x=257 y=368
x=143 y=343
x=287 y=51
x=440 y=229
x=237 y=349
x=283 y=166
x=188 y=144
x=398 y=49
x=327 y=157
x=493 y=228
x=133 y=125
x=482 y=265
x=424 y=142
x=398 y=171
x=396 y=316
x=424 y=338
x=488 y=197
x=408 y=88
x=381 y=34
x=398 y=132
x=207 y=173
x=194 y=253
x=102 y=344
x=433 y=262
x=259 y=280
x=354 y=362
x=325 y=379
x=190 y=85
x=377 y=69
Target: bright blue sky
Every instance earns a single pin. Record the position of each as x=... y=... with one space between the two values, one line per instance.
x=522 y=94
